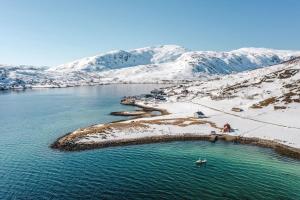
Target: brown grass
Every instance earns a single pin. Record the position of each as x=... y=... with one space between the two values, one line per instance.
x=139 y=124
x=264 y=103
x=229 y=91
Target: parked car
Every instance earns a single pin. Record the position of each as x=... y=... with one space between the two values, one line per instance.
x=199 y=115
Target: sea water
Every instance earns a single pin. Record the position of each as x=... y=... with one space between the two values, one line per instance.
x=31 y=120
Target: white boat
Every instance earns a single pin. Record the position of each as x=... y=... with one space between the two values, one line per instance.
x=200 y=161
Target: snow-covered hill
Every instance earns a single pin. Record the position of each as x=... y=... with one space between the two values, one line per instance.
x=145 y=65
x=262 y=103
x=122 y=59
x=259 y=107
x=196 y=64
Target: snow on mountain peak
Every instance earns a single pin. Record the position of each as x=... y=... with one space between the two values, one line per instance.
x=213 y=62
x=145 y=65
x=194 y=61
x=163 y=53
x=117 y=59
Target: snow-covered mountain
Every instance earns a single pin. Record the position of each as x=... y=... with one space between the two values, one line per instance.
x=121 y=59
x=178 y=57
x=145 y=65
x=194 y=64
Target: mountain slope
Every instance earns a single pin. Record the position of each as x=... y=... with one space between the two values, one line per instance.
x=121 y=59
x=197 y=64
x=144 y=65
x=262 y=103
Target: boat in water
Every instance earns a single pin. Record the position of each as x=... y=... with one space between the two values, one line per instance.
x=201 y=161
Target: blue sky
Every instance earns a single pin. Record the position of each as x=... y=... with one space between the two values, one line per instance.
x=51 y=32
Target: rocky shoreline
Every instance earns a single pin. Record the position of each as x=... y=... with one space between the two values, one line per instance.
x=277 y=147
x=66 y=142
x=144 y=112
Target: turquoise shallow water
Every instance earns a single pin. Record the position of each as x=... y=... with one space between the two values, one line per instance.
x=30 y=121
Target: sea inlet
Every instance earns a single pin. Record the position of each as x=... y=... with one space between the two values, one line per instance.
x=31 y=120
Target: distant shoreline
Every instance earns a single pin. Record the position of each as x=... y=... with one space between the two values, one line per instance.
x=95 y=84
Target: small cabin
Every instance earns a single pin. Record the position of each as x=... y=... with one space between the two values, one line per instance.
x=226 y=128
x=199 y=115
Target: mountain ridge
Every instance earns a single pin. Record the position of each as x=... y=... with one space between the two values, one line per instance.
x=157 y=64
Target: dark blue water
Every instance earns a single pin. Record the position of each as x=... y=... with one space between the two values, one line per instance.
x=30 y=121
